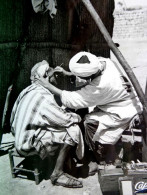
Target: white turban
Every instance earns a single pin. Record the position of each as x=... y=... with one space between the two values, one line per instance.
x=39 y=69
x=84 y=69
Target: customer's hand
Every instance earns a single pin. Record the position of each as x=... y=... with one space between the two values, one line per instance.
x=76 y=117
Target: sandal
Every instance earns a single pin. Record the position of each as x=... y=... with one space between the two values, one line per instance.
x=72 y=182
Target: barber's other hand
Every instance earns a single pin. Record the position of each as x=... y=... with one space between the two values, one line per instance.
x=42 y=81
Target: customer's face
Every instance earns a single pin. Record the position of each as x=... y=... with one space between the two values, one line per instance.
x=51 y=76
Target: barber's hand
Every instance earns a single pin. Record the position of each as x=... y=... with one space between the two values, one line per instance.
x=42 y=81
x=59 y=69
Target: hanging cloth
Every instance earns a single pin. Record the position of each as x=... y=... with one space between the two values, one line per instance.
x=45 y=5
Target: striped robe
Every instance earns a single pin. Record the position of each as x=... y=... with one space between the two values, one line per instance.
x=39 y=123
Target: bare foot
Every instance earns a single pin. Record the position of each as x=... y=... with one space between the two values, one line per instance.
x=93 y=168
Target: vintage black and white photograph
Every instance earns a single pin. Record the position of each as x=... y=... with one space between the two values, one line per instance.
x=73 y=103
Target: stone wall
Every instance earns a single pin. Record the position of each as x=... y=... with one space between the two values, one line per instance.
x=130 y=24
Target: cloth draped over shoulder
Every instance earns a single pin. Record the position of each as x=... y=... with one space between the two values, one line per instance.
x=44 y=5
x=39 y=123
x=116 y=103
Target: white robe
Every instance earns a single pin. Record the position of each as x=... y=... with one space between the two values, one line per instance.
x=110 y=94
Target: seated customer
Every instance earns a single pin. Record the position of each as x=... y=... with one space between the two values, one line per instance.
x=40 y=124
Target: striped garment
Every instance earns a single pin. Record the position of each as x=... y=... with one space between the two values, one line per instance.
x=38 y=122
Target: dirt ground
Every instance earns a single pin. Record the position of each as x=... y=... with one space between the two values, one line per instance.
x=21 y=186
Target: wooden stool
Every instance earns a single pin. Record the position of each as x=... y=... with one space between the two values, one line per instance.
x=15 y=169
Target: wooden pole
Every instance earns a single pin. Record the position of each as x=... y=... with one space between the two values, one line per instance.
x=123 y=62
